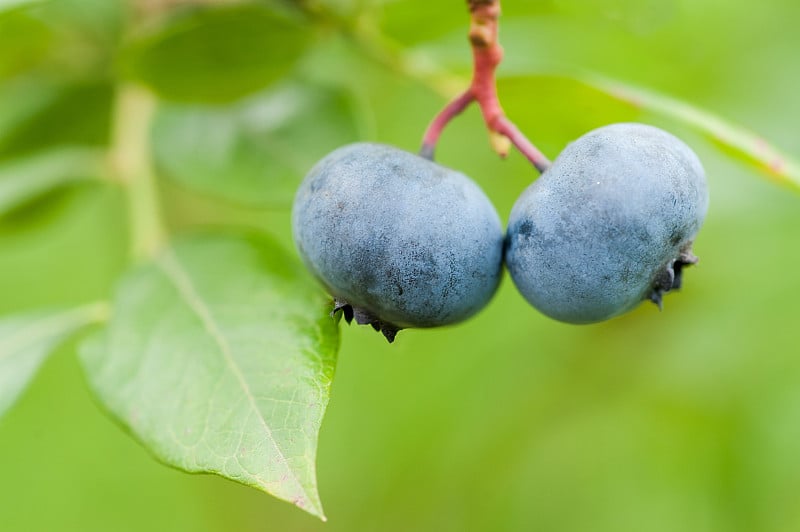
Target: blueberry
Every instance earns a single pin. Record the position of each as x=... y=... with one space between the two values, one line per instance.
x=610 y=224
x=398 y=240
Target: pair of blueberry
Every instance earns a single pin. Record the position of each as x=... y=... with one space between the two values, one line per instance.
x=401 y=241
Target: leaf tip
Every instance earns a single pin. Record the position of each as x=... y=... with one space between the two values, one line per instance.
x=311 y=505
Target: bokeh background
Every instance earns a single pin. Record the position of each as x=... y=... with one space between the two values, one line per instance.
x=686 y=419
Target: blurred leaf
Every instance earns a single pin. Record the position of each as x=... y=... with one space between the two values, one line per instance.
x=86 y=37
x=407 y=26
x=24 y=179
x=256 y=151
x=573 y=103
x=24 y=41
x=67 y=39
x=22 y=99
x=27 y=339
x=53 y=116
x=734 y=139
x=98 y=20
x=219 y=54
x=219 y=358
x=9 y=4
x=555 y=110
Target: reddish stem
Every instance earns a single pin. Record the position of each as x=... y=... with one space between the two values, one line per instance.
x=507 y=128
x=437 y=126
x=487 y=54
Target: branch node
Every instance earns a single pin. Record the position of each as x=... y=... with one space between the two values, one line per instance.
x=487 y=55
x=499 y=143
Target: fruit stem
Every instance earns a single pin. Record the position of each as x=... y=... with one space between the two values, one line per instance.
x=450 y=111
x=487 y=55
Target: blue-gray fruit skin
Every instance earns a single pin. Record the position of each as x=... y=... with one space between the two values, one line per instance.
x=397 y=239
x=609 y=224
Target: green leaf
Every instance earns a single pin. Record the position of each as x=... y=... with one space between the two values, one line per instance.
x=219 y=358
x=218 y=54
x=254 y=152
x=25 y=179
x=64 y=39
x=24 y=40
x=563 y=109
x=27 y=339
x=10 y=4
x=574 y=103
x=21 y=100
x=36 y=116
x=734 y=139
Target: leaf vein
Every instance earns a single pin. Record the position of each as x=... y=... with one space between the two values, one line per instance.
x=180 y=278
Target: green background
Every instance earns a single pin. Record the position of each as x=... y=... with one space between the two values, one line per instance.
x=688 y=419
